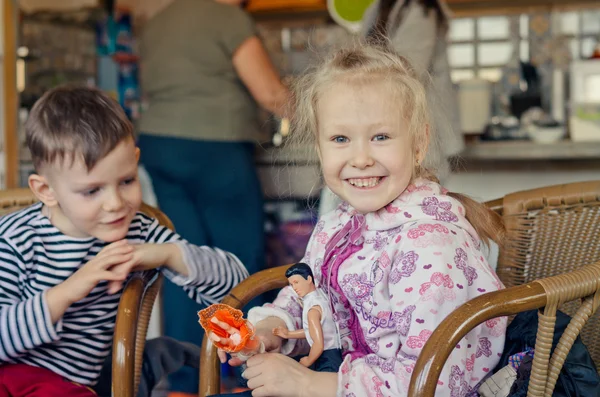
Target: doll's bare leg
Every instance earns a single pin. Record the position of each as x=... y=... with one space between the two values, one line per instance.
x=224 y=326
x=235 y=338
x=224 y=341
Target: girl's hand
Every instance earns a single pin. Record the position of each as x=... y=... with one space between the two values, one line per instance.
x=264 y=333
x=273 y=374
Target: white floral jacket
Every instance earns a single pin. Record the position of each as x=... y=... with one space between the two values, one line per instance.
x=392 y=277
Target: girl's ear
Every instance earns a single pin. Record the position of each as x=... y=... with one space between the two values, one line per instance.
x=422 y=145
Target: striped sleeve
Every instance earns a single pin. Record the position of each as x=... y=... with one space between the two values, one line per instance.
x=212 y=272
x=24 y=324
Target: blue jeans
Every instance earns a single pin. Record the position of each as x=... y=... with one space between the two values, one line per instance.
x=211 y=193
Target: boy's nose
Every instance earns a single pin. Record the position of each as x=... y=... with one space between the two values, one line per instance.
x=113 y=203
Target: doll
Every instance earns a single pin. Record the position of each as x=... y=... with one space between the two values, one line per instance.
x=229 y=331
x=319 y=328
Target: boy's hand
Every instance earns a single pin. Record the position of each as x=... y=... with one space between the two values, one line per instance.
x=107 y=265
x=150 y=256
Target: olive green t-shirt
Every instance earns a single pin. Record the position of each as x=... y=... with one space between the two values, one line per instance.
x=188 y=77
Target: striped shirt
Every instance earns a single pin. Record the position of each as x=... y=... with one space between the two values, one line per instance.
x=36 y=256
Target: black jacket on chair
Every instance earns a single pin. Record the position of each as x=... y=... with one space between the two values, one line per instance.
x=578 y=377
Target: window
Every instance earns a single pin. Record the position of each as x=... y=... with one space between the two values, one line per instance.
x=583 y=29
x=480 y=47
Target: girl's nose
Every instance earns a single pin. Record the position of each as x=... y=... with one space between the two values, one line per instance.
x=362 y=158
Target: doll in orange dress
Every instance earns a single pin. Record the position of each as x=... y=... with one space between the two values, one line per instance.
x=229 y=331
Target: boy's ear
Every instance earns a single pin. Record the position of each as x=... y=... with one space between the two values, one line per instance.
x=137 y=154
x=42 y=190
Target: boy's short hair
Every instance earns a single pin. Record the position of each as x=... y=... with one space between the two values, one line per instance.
x=72 y=121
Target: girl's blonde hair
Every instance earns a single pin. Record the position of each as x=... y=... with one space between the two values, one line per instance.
x=364 y=64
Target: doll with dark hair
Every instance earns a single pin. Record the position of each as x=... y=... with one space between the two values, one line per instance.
x=318 y=326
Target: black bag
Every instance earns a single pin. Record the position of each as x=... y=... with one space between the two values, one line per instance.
x=578 y=377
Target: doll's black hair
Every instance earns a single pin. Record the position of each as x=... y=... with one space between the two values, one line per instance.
x=301 y=269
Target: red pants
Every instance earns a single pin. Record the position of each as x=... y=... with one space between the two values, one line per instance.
x=21 y=380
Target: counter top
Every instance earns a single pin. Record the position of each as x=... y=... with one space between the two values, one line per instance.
x=528 y=150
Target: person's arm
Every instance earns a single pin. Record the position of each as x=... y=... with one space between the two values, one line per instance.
x=257 y=72
x=25 y=323
x=207 y=274
x=316 y=333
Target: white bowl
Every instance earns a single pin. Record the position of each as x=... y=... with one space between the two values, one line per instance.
x=547 y=134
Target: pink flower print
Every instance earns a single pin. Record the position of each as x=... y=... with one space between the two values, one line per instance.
x=430 y=234
x=425 y=228
x=441 y=210
x=417 y=342
x=470 y=363
x=384 y=260
x=390 y=209
x=403 y=266
x=414 y=188
x=379 y=242
x=319 y=227
x=457 y=383
x=496 y=326
x=373 y=344
x=460 y=259
x=403 y=320
x=356 y=287
x=375 y=389
x=484 y=348
x=322 y=238
x=439 y=289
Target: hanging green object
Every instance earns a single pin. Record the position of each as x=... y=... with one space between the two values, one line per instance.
x=348 y=13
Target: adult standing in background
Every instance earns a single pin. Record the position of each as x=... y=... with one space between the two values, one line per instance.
x=204 y=74
x=417 y=30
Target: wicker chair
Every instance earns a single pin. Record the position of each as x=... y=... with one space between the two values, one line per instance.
x=550 y=231
x=538 y=221
x=549 y=293
x=134 y=309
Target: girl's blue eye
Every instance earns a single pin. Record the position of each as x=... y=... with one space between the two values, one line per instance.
x=339 y=139
x=381 y=137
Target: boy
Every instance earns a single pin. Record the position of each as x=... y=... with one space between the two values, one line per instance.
x=65 y=260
